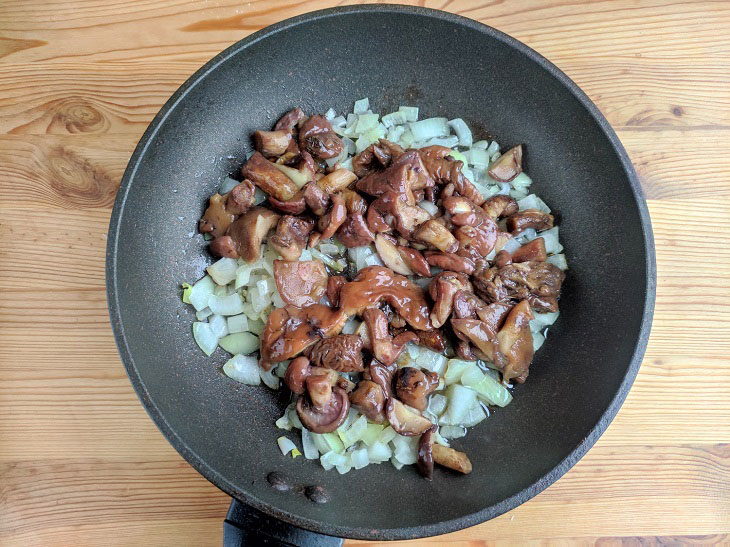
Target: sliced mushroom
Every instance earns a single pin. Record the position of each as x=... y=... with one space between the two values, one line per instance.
x=466 y=304
x=250 y=230
x=500 y=206
x=334 y=284
x=384 y=348
x=529 y=218
x=329 y=223
x=479 y=333
x=317 y=137
x=241 y=198
x=442 y=291
x=316 y=199
x=272 y=143
x=326 y=417
x=369 y=399
x=269 y=177
x=355 y=232
x=291 y=236
x=296 y=374
x=300 y=283
x=433 y=339
x=502 y=259
x=442 y=166
x=532 y=251
x=336 y=181
x=430 y=452
x=413 y=386
x=216 y=219
x=290 y=119
x=295 y=206
x=406 y=421
x=224 y=246
x=435 y=234
x=501 y=241
x=415 y=261
x=515 y=342
x=508 y=165
x=354 y=202
x=290 y=330
x=381 y=375
x=390 y=256
x=341 y=353
x=374 y=284
x=450 y=262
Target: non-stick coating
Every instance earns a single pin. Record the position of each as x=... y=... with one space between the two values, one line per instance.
x=448 y=66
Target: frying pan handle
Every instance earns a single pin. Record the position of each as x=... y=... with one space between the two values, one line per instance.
x=247 y=526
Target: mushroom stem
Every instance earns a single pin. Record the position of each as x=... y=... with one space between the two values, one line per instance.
x=453 y=459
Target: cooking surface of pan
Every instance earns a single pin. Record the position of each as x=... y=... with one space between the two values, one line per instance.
x=448 y=66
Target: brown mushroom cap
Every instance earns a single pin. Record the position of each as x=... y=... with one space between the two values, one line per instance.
x=296 y=374
x=508 y=165
x=326 y=418
x=383 y=376
x=404 y=420
x=413 y=386
x=425 y=454
x=249 y=231
x=370 y=400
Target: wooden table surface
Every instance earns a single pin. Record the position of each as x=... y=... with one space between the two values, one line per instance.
x=80 y=461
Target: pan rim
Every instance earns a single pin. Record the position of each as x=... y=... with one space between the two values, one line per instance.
x=436 y=528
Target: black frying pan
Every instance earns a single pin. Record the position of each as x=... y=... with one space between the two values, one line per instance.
x=449 y=66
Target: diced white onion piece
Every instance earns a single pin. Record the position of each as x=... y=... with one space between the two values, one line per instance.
x=406 y=449
x=504 y=189
x=329 y=248
x=448 y=142
x=258 y=196
x=228 y=185
x=294 y=417
x=350 y=326
x=203 y=314
x=237 y=323
x=243 y=275
x=452 y=431
x=398 y=465
x=277 y=300
x=226 y=305
x=512 y=245
x=280 y=368
x=521 y=181
x=518 y=194
x=283 y=422
x=537 y=341
x=559 y=261
x=330 y=114
x=359 y=458
x=430 y=360
x=429 y=207
x=462 y=131
x=492 y=392
x=533 y=202
x=387 y=435
x=528 y=235
x=256 y=326
x=361 y=106
x=204 y=337
x=342 y=469
x=456 y=369
x=410 y=112
x=366 y=122
x=437 y=404
x=240 y=342
x=394 y=118
x=480 y=145
x=220 y=290
x=244 y=369
x=285 y=445
x=218 y=325
x=201 y=293
x=474 y=415
x=460 y=398
x=331 y=459
x=395 y=133
x=478 y=158
x=269 y=378
x=542 y=320
x=379 y=452
x=429 y=129
x=310 y=448
x=328 y=260
x=493 y=148
x=552 y=242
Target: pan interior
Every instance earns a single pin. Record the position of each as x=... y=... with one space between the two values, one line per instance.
x=448 y=68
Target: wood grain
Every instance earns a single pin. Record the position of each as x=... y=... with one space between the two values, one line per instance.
x=80 y=461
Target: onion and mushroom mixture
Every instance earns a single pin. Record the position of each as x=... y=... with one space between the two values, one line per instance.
x=397 y=277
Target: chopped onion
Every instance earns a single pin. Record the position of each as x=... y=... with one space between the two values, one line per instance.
x=430 y=360
x=379 y=452
x=405 y=449
x=359 y=458
x=203 y=314
x=505 y=189
x=237 y=323
x=361 y=106
x=395 y=133
x=478 y=158
x=410 y=112
x=437 y=404
x=398 y=465
x=559 y=261
x=493 y=148
x=533 y=202
x=342 y=469
x=329 y=248
x=542 y=320
x=521 y=182
x=228 y=185
x=244 y=369
x=330 y=114
x=258 y=196
x=218 y=325
x=512 y=245
x=460 y=398
x=201 y=293
x=452 y=431
x=480 y=145
x=331 y=459
x=394 y=118
x=226 y=305
x=537 y=341
x=240 y=342
x=474 y=415
x=462 y=131
x=552 y=242
x=283 y=422
x=429 y=128
x=455 y=370
x=256 y=326
x=204 y=337
x=269 y=378
x=350 y=326
x=285 y=445
x=328 y=260
x=310 y=448
x=387 y=435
